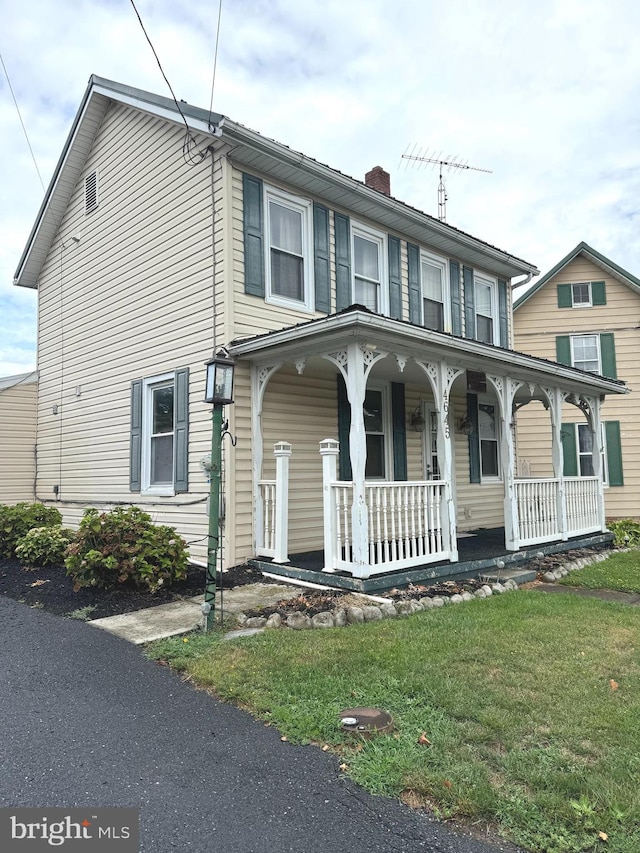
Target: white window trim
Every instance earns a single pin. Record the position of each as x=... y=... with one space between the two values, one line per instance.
x=360 y=230
x=573 y=338
x=604 y=457
x=588 y=304
x=304 y=207
x=427 y=410
x=490 y=401
x=387 y=431
x=436 y=261
x=147 y=414
x=481 y=278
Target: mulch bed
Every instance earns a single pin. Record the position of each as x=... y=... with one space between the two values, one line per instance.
x=50 y=589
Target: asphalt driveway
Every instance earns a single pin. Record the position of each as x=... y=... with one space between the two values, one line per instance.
x=87 y=721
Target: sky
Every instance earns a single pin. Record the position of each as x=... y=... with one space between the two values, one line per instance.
x=546 y=95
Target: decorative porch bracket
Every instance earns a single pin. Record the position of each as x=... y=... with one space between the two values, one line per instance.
x=355 y=363
x=441 y=378
x=506 y=388
x=260 y=376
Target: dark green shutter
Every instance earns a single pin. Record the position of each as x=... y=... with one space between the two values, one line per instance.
x=344 y=427
x=563 y=349
x=321 y=259
x=598 y=293
x=565 y=296
x=469 y=306
x=343 y=262
x=456 y=302
x=135 y=446
x=415 y=293
x=614 y=453
x=503 y=310
x=474 y=439
x=253 y=236
x=399 y=419
x=181 y=431
x=569 y=450
x=395 y=283
x=608 y=355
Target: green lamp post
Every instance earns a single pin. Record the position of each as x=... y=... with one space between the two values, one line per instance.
x=219 y=392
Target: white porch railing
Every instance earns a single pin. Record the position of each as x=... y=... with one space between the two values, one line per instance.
x=404 y=522
x=268 y=496
x=537 y=502
x=273 y=518
x=581 y=500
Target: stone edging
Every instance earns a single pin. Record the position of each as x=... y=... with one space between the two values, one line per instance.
x=580 y=563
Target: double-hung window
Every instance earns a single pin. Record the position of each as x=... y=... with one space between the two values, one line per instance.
x=582 y=294
x=585 y=352
x=435 y=302
x=288 y=229
x=488 y=437
x=369 y=268
x=486 y=304
x=376 y=427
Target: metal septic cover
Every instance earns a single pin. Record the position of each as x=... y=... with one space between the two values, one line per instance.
x=366 y=721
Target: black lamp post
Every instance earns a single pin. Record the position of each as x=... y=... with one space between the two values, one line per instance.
x=219 y=392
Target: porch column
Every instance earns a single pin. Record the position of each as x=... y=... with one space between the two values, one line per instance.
x=505 y=388
x=260 y=376
x=595 y=423
x=555 y=398
x=329 y=450
x=282 y=452
x=445 y=460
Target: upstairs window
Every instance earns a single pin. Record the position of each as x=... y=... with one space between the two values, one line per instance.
x=582 y=294
x=289 y=241
x=485 y=309
x=435 y=303
x=585 y=352
x=368 y=269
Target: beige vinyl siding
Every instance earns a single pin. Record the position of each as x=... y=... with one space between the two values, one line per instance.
x=131 y=299
x=537 y=323
x=18 y=440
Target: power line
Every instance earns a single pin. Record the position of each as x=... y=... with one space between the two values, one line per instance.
x=33 y=156
x=215 y=60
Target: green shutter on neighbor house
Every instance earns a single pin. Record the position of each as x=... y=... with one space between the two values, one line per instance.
x=469 y=305
x=503 y=311
x=608 y=355
x=253 y=235
x=135 y=446
x=565 y=296
x=415 y=293
x=181 y=431
x=563 y=349
x=321 y=260
x=598 y=293
x=395 y=281
x=343 y=262
x=399 y=420
x=614 y=453
x=569 y=450
x=474 y=439
x=456 y=302
x=344 y=427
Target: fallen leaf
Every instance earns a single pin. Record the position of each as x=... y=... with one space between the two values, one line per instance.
x=613 y=684
x=325 y=748
x=344 y=767
x=447 y=783
x=424 y=740
x=284 y=737
x=38 y=583
x=603 y=836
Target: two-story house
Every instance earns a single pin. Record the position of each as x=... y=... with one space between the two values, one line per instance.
x=373 y=343
x=584 y=312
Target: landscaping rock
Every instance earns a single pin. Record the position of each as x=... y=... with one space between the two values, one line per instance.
x=274 y=621
x=438 y=601
x=446 y=599
x=340 y=617
x=323 y=620
x=354 y=614
x=241 y=618
x=480 y=593
x=487 y=590
x=388 y=610
x=456 y=599
x=371 y=613
x=426 y=602
x=256 y=622
x=498 y=588
x=404 y=608
x=415 y=604
x=298 y=621
x=549 y=577
x=466 y=596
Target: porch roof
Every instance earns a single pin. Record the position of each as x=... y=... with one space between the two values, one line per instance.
x=328 y=334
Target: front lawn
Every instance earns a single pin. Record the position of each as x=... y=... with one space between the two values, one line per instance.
x=530 y=705
x=620 y=571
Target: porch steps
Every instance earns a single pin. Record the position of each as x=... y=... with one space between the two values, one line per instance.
x=520 y=576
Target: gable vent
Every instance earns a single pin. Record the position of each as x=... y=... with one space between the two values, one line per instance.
x=91 y=192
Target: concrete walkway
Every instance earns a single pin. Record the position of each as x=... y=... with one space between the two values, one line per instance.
x=180 y=617
x=602 y=594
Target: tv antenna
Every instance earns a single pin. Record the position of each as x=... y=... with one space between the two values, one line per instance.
x=449 y=163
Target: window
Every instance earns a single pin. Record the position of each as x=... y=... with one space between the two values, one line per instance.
x=581 y=295
x=485 y=308
x=435 y=302
x=432 y=471
x=585 y=352
x=369 y=270
x=488 y=436
x=577 y=450
x=289 y=240
x=159 y=434
x=374 y=425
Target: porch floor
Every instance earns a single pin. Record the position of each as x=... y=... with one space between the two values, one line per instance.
x=478 y=551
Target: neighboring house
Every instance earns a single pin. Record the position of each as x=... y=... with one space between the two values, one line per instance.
x=371 y=338
x=585 y=313
x=18 y=395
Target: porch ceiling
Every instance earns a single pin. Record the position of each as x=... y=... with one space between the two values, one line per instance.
x=333 y=333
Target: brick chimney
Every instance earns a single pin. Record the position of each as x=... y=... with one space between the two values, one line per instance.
x=379 y=180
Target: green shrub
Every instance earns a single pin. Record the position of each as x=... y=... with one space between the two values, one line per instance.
x=626 y=533
x=16 y=521
x=123 y=546
x=44 y=546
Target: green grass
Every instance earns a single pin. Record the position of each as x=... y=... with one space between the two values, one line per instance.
x=620 y=571
x=514 y=694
